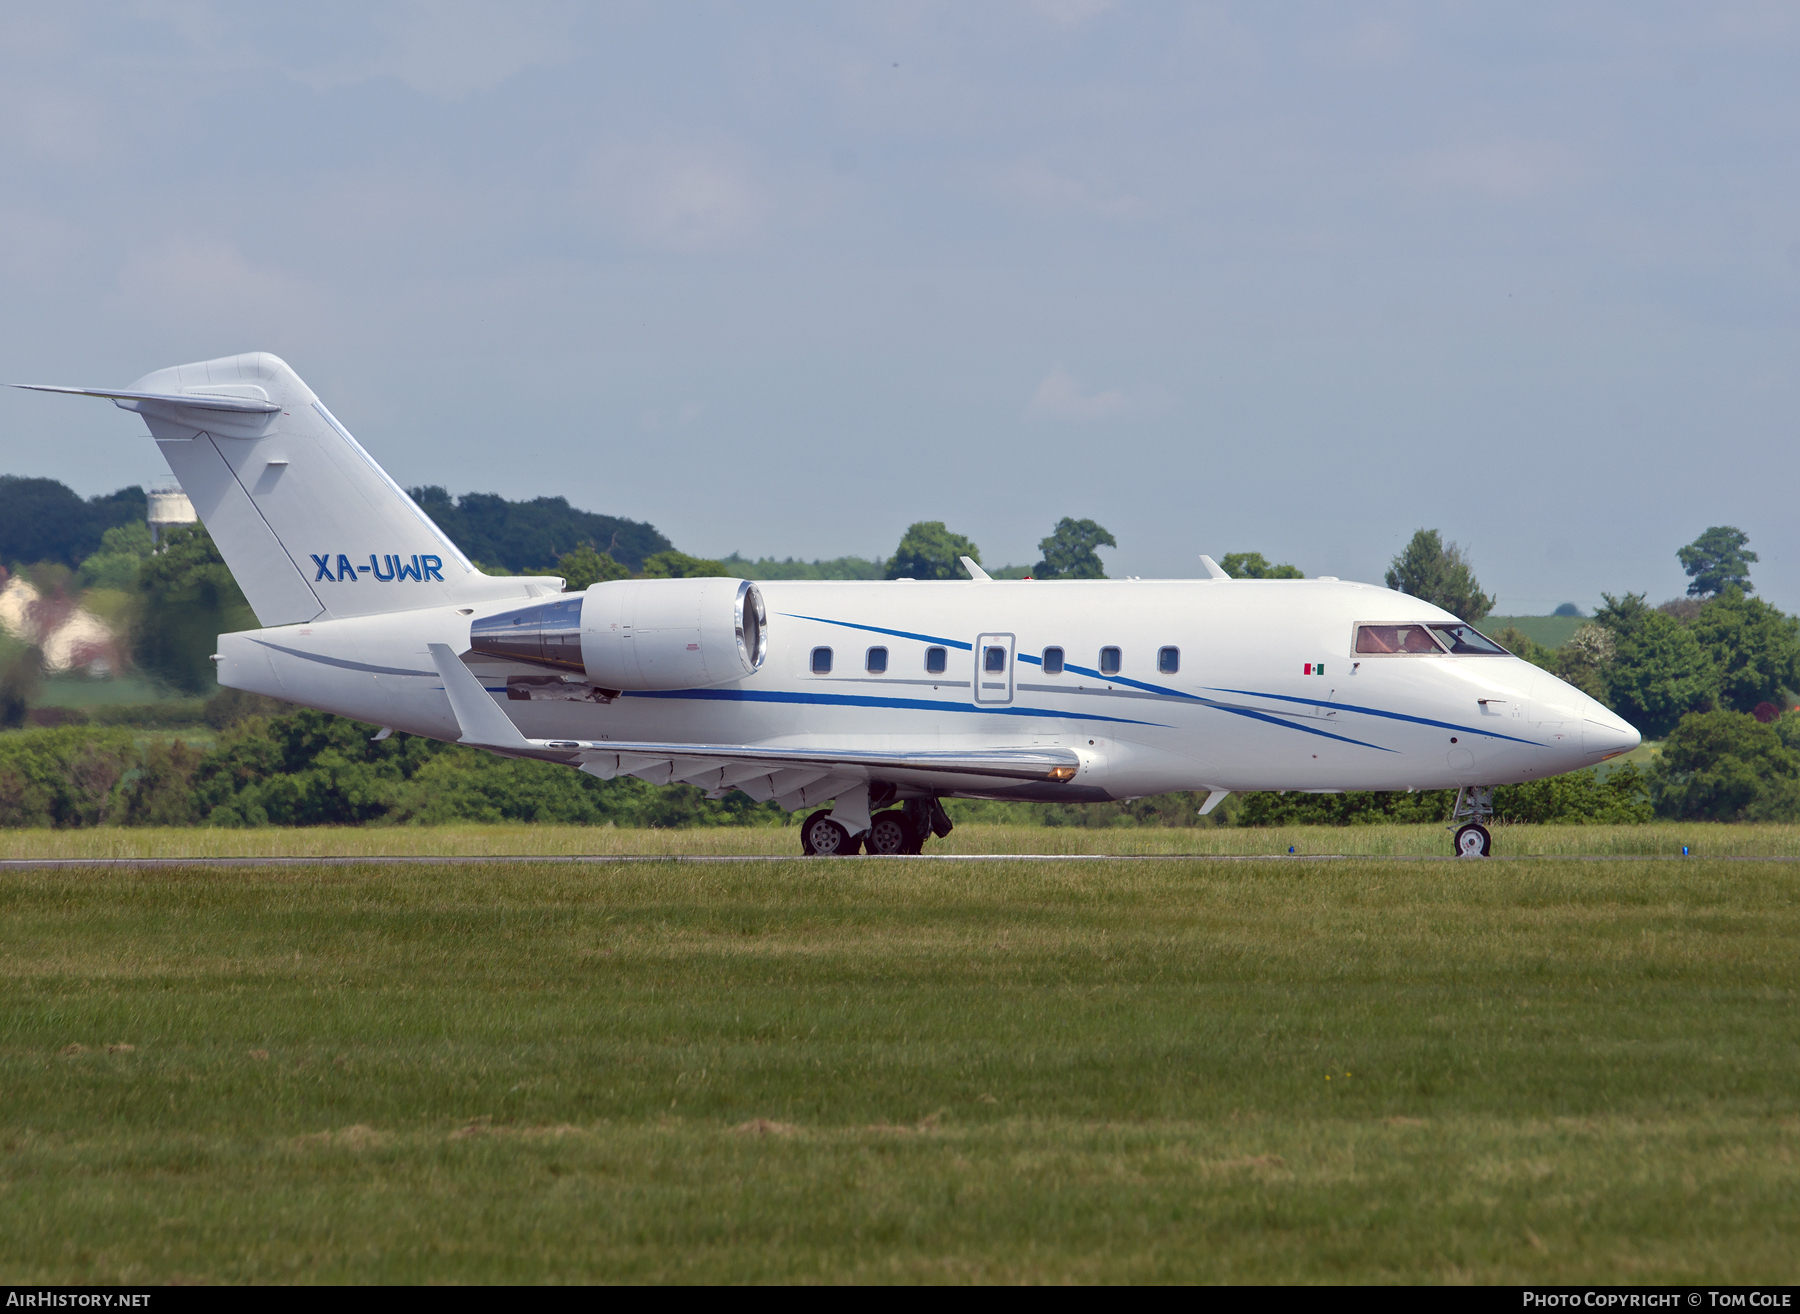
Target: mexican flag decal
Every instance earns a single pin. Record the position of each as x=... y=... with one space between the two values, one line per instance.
x=1313 y=668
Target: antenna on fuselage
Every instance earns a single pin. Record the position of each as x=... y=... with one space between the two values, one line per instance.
x=1213 y=569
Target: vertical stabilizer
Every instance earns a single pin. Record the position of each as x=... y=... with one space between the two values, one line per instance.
x=311 y=527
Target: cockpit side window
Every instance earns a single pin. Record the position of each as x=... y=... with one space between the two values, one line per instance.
x=1396 y=640
x=1466 y=640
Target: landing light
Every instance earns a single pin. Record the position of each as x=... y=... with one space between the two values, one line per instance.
x=1062 y=774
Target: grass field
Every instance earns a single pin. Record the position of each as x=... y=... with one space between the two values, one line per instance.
x=1551 y=631
x=1658 y=839
x=1361 y=1070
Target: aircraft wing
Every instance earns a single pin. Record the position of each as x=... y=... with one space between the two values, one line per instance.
x=794 y=777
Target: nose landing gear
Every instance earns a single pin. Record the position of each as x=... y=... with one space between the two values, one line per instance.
x=1476 y=803
x=1473 y=841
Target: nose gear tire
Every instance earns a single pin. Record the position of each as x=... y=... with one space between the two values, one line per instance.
x=1473 y=841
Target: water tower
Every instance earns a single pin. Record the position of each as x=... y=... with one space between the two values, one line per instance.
x=169 y=506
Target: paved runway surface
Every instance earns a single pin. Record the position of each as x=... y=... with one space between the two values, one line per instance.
x=152 y=864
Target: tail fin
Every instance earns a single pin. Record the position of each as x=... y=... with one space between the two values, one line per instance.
x=311 y=527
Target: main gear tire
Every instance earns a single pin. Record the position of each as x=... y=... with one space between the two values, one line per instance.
x=1473 y=841
x=891 y=835
x=821 y=837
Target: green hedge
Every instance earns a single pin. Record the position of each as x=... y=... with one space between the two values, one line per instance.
x=307 y=768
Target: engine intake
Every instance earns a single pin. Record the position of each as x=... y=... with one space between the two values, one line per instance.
x=640 y=634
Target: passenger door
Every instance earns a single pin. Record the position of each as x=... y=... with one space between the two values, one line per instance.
x=994 y=668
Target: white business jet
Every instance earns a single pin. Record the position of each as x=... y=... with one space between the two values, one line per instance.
x=863 y=702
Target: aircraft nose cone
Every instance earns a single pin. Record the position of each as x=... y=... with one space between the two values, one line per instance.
x=1608 y=738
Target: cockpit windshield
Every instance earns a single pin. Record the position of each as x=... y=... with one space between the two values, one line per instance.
x=1413 y=639
x=1467 y=640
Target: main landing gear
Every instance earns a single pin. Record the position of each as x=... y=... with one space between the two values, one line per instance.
x=895 y=832
x=1476 y=802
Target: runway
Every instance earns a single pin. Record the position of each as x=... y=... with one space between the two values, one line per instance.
x=419 y=860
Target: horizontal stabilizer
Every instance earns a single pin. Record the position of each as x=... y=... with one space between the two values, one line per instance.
x=200 y=401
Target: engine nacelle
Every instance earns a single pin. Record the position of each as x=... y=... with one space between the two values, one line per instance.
x=638 y=634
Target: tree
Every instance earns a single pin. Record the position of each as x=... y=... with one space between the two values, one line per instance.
x=1523 y=645
x=836 y=568
x=122 y=549
x=1717 y=561
x=1069 y=551
x=1253 y=565
x=1623 y=617
x=1567 y=609
x=929 y=551
x=21 y=672
x=44 y=520
x=190 y=598
x=1755 y=647
x=1726 y=766
x=1585 y=660
x=1432 y=572
x=584 y=566
x=529 y=536
x=679 y=565
x=1578 y=798
x=1659 y=672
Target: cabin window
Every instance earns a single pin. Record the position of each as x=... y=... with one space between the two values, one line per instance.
x=876 y=661
x=1168 y=660
x=821 y=661
x=994 y=661
x=934 y=661
x=1378 y=639
x=1109 y=661
x=1053 y=661
x=1464 y=640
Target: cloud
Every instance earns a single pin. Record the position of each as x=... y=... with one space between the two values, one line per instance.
x=1510 y=170
x=38 y=245
x=678 y=197
x=1037 y=184
x=450 y=48
x=1059 y=397
x=1377 y=41
x=1069 y=13
x=208 y=288
x=51 y=123
x=685 y=414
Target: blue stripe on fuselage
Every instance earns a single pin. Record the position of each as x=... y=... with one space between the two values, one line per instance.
x=1025 y=711
x=877 y=629
x=1376 y=711
x=862 y=700
x=1166 y=692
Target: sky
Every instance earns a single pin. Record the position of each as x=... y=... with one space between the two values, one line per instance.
x=784 y=278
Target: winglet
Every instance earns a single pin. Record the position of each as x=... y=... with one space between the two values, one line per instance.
x=1213 y=569
x=976 y=573
x=478 y=716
